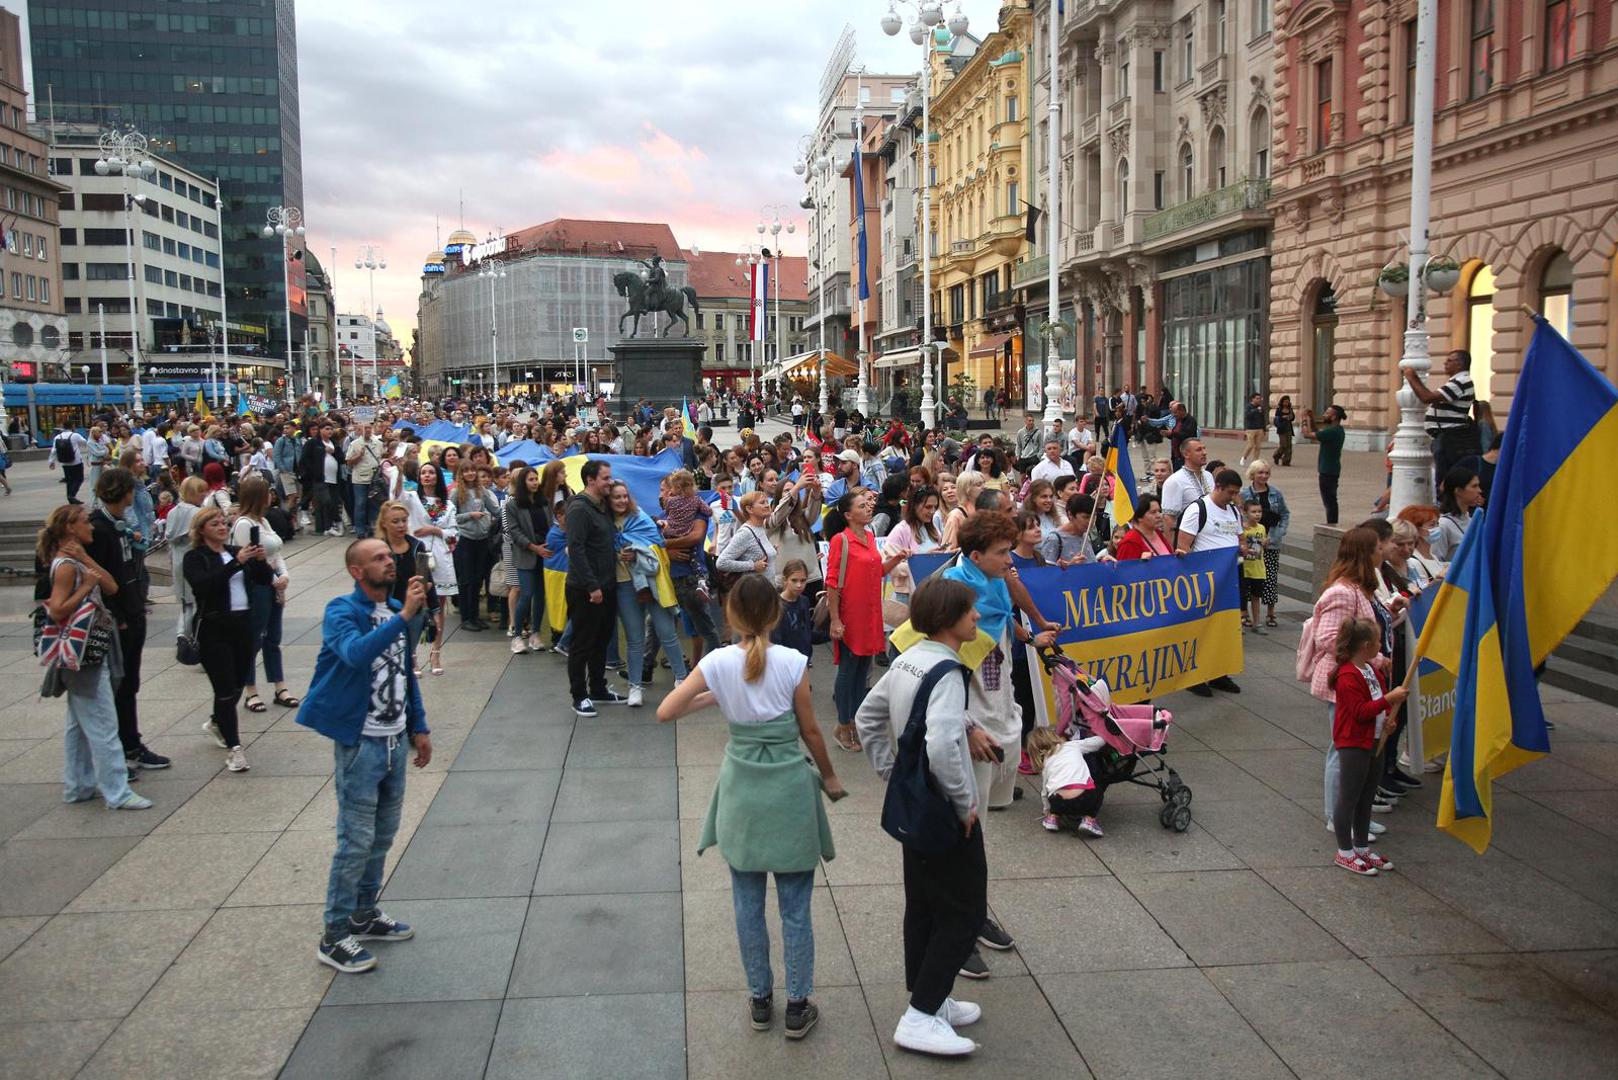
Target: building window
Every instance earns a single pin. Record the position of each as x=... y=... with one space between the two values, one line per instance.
x=1158 y=193
x=1188 y=176
x=719 y=352
x=45 y=291
x=33 y=289
x=1216 y=159
x=1013 y=204
x=1556 y=293
x=1011 y=107
x=957 y=304
x=1123 y=189
x=1323 y=78
x=16 y=285
x=1260 y=136
x=1219 y=26
x=1480 y=330
x=1261 y=17
x=1558 y=33
x=1158 y=75
x=1410 y=71
x=70 y=271
x=1188 y=47
x=719 y=320
x=1482 y=44
x=1123 y=79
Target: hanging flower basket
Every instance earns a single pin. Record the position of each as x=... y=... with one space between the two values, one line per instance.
x=1394 y=279
x=1442 y=273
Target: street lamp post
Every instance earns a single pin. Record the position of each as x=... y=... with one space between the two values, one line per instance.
x=929 y=13
x=775 y=227
x=752 y=254
x=1053 y=384
x=824 y=166
x=124 y=152
x=370 y=259
x=223 y=367
x=1411 y=457
x=494 y=273
x=285 y=222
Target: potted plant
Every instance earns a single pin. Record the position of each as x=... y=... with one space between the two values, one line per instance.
x=1442 y=273
x=1394 y=279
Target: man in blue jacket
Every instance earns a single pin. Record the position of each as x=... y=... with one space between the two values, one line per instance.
x=364 y=697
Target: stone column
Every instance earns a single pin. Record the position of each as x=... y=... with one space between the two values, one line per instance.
x=1109 y=163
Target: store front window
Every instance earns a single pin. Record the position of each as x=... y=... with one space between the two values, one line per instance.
x=1215 y=347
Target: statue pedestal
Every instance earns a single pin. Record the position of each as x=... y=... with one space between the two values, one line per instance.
x=664 y=371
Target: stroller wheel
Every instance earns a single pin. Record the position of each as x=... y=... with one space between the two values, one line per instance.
x=1181 y=818
x=1165 y=816
x=1180 y=796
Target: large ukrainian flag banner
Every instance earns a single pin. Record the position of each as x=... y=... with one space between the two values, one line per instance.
x=1122 y=472
x=1524 y=576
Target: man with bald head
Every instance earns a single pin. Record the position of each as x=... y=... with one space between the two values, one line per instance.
x=1188 y=483
x=365 y=698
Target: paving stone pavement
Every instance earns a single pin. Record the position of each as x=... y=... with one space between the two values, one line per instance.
x=567 y=928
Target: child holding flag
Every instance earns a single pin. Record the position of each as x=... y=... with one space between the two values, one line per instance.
x=1359 y=718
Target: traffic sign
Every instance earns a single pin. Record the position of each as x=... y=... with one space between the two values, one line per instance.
x=581 y=335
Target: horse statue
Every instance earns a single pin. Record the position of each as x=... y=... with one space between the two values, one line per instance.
x=672 y=303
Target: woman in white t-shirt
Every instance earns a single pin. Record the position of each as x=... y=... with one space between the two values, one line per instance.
x=766 y=814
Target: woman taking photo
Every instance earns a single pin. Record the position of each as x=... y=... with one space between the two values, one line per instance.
x=178 y=527
x=393 y=529
x=916 y=534
x=854 y=573
x=475 y=515
x=1460 y=496
x=791 y=527
x=766 y=815
x=1276 y=518
x=93 y=755
x=266 y=601
x=221 y=576
x=750 y=549
x=432 y=521
x=638 y=600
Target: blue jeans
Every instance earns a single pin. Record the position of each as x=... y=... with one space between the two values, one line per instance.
x=266 y=623
x=849 y=690
x=530 y=602
x=359 y=496
x=794 y=893
x=633 y=614
x=92 y=753
x=370 y=794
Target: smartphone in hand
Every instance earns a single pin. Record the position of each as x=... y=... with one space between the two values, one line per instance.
x=252 y=535
x=424 y=566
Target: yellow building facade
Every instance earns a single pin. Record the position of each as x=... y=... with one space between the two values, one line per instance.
x=979 y=139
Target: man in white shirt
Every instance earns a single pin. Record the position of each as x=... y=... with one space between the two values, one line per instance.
x=1189 y=483
x=1214 y=522
x=363 y=453
x=1053 y=464
x=69 y=450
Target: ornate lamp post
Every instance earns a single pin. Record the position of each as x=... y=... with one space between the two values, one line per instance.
x=494 y=273
x=370 y=259
x=285 y=222
x=124 y=152
x=775 y=227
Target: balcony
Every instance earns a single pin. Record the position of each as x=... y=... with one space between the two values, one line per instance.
x=1117 y=113
x=1030 y=271
x=999 y=301
x=1247 y=195
x=1212 y=75
x=1090 y=131
x=960 y=247
x=1085 y=13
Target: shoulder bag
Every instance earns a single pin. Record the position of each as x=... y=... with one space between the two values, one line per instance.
x=82 y=639
x=822 y=615
x=914 y=811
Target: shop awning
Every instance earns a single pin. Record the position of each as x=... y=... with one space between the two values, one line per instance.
x=809 y=364
x=898 y=358
x=992 y=345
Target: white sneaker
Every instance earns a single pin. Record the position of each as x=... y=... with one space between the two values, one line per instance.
x=930 y=1035
x=635 y=699
x=536 y=643
x=211 y=729
x=133 y=802
x=960 y=1013
x=236 y=760
x=334 y=532
x=519 y=645
x=1377 y=828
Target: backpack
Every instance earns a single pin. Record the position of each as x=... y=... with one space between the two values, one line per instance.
x=914 y=812
x=64 y=447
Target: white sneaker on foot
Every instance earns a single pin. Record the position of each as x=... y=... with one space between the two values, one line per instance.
x=211 y=729
x=236 y=760
x=519 y=645
x=536 y=643
x=635 y=699
x=133 y=802
x=960 y=1013
x=930 y=1035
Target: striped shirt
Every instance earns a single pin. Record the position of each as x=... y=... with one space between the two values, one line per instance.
x=1455 y=410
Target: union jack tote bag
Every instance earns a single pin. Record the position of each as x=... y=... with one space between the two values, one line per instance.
x=80 y=641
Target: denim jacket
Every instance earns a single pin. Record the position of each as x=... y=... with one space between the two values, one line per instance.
x=643 y=571
x=1278 y=503
x=340 y=692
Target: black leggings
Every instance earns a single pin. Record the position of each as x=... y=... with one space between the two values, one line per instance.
x=471 y=570
x=946 y=901
x=1087 y=804
x=226 y=645
x=1358 y=772
x=1328 y=497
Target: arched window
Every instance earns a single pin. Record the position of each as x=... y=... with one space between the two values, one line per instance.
x=1556 y=293
x=1188 y=179
x=1216 y=159
x=1480 y=329
x=1123 y=189
x=1259 y=137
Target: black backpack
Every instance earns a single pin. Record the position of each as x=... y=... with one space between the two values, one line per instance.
x=914 y=812
x=64 y=448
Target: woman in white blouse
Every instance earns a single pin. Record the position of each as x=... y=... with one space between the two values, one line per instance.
x=266 y=601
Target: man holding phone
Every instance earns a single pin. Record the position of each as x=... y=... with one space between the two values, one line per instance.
x=365 y=698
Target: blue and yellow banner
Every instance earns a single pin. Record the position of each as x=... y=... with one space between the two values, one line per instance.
x=1122 y=472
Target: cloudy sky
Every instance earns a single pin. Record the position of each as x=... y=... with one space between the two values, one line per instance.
x=686 y=112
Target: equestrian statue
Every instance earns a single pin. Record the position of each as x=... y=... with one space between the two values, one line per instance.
x=653 y=295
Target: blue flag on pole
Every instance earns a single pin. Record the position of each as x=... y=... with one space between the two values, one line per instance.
x=859 y=211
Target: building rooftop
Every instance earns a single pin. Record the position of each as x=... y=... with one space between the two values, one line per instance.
x=715 y=275
x=578 y=236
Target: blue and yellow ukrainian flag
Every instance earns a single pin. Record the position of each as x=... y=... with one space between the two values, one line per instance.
x=553 y=573
x=1524 y=576
x=1123 y=477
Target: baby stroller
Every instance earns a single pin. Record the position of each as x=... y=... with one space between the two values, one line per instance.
x=1134 y=734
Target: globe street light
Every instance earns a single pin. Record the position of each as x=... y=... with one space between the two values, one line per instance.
x=123 y=151
x=287 y=223
x=823 y=167
x=370 y=259
x=773 y=210
x=493 y=272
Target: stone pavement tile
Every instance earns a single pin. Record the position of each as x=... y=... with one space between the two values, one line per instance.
x=247 y=960
x=696 y=789
x=872 y=918
x=1580 y=858
x=11 y=748
x=433 y=1040
x=1137 y=843
x=468 y=861
x=192 y=752
x=1231 y=917
x=1596 y=758
x=235 y=803
x=1498 y=891
x=290 y=753
x=1522 y=1021
x=1228 y=727
x=23 y=804
x=603 y=744
x=420 y=790
x=15 y=929
x=1080 y=924
x=91 y=818
x=619 y=943
x=843 y=1046
x=1395 y=917
x=1292 y=774
x=1269 y=832
x=1319 y=1018
x=505 y=748
x=462 y=951
x=175 y=872
x=1552 y=773
x=713 y=960
x=494 y=798
x=51 y=1050
x=41 y=877
x=294 y=871
x=40 y=763
x=865 y=854
x=645 y=857
x=1594 y=974
x=35 y=719
x=618 y=794
x=703 y=744
x=1019 y=1035
x=626 y=1037
x=79 y=967
x=1018 y=846
x=1191 y=1030
x=1211 y=776
x=1597 y=810
x=447 y=744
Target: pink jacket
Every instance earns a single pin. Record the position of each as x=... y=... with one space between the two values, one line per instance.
x=1340 y=602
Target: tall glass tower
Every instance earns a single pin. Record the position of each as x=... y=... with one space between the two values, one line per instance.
x=215 y=87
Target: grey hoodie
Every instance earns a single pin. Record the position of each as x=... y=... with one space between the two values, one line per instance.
x=886 y=710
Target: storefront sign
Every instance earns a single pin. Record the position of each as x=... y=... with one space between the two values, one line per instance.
x=177 y=369
x=497 y=246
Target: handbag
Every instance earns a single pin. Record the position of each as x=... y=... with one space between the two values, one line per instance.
x=914 y=811
x=186 y=649
x=821 y=619
x=81 y=640
x=725 y=580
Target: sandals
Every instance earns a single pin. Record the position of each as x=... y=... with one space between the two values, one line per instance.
x=1270 y=621
x=436 y=663
x=844 y=736
x=285 y=700
x=254 y=703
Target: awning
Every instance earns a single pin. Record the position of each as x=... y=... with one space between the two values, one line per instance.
x=898 y=358
x=809 y=364
x=991 y=345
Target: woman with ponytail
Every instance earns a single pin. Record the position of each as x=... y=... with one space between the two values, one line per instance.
x=766 y=815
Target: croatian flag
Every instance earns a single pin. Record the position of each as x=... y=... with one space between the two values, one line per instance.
x=759 y=316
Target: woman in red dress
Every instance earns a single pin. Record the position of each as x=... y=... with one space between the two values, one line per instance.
x=1143 y=541
x=854 y=572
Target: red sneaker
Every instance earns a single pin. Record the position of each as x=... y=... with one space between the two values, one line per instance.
x=1025 y=767
x=1354 y=864
x=1377 y=861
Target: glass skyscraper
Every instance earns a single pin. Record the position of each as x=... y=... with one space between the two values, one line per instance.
x=214 y=85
